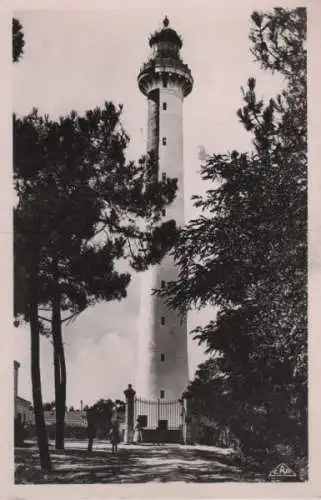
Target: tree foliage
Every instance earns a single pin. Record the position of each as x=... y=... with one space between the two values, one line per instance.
x=247 y=251
x=83 y=207
x=18 y=41
x=101 y=414
x=49 y=406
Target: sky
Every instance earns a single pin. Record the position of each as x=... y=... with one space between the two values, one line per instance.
x=79 y=59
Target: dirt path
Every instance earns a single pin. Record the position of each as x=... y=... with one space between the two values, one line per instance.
x=133 y=464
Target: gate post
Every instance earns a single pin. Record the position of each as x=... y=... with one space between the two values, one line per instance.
x=187 y=420
x=129 y=416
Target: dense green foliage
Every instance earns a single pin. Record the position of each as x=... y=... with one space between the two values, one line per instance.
x=247 y=254
x=81 y=207
x=73 y=183
x=103 y=412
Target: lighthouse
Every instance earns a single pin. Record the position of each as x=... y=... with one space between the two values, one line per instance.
x=162 y=359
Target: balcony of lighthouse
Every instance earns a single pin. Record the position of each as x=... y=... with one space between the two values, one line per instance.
x=157 y=72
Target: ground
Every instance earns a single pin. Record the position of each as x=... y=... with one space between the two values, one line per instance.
x=132 y=464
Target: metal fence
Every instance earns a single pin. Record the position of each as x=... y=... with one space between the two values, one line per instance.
x=153 y=414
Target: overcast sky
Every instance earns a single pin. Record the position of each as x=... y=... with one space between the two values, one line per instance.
x=79 y=59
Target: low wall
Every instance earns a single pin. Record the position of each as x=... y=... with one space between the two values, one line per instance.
x=166 y=436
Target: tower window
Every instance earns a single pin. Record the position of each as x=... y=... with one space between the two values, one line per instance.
x=162 y=394
x=164 y=141
x=163 y=320
x=163 y=176
x=162 y=357
x=164 y=106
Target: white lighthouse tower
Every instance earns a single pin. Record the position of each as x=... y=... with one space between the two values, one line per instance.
x=162 y=362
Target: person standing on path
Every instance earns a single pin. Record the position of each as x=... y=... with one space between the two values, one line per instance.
x=114 y=436
x=138 y=435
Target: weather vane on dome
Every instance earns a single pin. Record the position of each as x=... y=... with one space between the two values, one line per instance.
x=166 y=22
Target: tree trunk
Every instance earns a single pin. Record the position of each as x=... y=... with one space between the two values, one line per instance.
x=41 y=431
x=60 y=392
x=59 y=368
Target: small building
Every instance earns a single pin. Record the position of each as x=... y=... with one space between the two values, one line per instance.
x=25 y=409
x=21 y=406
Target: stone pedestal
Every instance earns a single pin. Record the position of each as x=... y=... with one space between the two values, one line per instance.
x=129 y=416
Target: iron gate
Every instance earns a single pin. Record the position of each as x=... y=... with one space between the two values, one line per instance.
x=161 y=421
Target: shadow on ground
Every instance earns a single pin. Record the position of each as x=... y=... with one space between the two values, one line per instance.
x=130 y=465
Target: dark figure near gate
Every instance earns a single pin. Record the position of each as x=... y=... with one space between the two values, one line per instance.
x=91 y=428
x=138 y=435
x=114 y=436
x=161 y=431
x=158 y=435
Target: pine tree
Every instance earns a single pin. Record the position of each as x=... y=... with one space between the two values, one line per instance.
x=82 y=207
